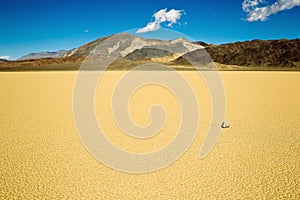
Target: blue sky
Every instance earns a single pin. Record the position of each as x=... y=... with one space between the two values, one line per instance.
x=50 y=25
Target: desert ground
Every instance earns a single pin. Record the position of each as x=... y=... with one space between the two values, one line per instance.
x=42 y=156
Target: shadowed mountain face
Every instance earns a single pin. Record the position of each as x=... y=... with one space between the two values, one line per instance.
x=147 y=53
x=195 y=57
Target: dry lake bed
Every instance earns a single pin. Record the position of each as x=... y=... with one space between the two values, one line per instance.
x=41 y=155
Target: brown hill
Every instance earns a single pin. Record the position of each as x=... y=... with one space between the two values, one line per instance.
x=251 y=53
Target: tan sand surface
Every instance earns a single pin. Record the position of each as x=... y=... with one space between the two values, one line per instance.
x=41 y=155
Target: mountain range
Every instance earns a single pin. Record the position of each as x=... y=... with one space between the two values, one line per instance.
x=131 y=51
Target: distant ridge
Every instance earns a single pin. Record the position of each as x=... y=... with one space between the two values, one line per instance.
x=46 y=54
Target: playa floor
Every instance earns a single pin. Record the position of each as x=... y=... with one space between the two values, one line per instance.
x=42 y=156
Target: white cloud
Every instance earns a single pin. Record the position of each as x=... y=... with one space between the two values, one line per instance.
x=162 y=16
x=249 y=5
x=86 y=30
x=256 y=12
x=5 y=57
x=152 y=26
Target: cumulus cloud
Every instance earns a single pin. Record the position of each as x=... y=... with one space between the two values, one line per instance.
x=5 y=57
x=258 y=12
x=249 y=5
x=162 y=16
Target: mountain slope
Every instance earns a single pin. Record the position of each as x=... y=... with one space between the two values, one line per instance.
x=85 y=49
